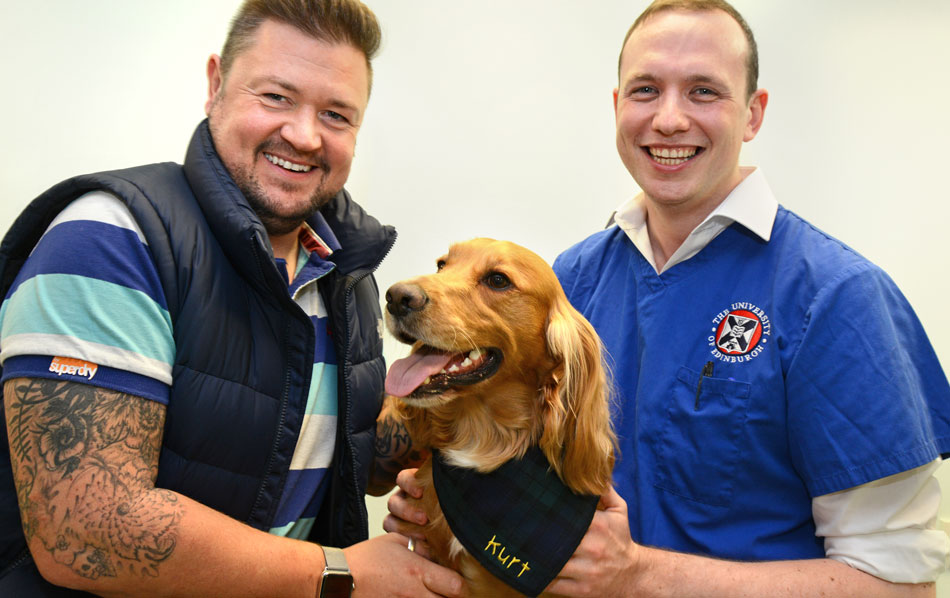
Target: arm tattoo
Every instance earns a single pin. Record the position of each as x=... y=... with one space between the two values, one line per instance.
x=394 y=448
x=85 y=461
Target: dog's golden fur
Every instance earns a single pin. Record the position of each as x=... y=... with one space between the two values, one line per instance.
x=550 y=390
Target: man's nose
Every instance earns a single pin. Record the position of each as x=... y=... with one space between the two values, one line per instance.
x=671 y=116
x=302 y=130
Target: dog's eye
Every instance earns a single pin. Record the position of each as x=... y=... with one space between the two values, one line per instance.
x=497 y=281
x=439 y=265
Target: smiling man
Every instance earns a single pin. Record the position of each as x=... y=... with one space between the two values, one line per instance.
x=683 y=112
x=781 y=411
x=191 y=354
x=284 y=120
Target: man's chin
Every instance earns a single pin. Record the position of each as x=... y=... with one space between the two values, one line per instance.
x=278 y=219
x=280 y=227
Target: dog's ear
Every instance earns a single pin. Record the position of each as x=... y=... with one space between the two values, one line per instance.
x=578 y=439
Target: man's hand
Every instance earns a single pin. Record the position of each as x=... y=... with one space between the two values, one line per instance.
x=603 y=565
x=406 y=515
x=384 y=566
x=607 y=560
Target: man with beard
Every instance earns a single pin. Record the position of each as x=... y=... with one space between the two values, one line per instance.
x=192 y=359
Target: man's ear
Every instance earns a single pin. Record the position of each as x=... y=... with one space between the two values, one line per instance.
x=757 y=106
x=215 y=81
x=616 y=95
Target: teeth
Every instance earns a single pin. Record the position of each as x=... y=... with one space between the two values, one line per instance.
x=475 y=354
x=453 y=368
x=427 y=380
x=288 y=165
x=672 y=157
x=467 y=362
x=666 y=152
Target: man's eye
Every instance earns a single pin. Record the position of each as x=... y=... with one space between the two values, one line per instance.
x=497 y=281
x=643 y=90
x=335 y=116
x=705 y=92
x=275 y=97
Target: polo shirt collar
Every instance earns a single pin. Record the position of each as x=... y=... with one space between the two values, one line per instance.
x=316 y=236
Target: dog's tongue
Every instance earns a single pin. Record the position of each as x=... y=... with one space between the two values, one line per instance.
x=407 y=374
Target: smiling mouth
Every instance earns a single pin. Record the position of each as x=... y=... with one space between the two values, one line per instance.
x=431 y=371
x=287 y=165
x=672 y=157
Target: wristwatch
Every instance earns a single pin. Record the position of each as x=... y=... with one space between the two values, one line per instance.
x=337 y=581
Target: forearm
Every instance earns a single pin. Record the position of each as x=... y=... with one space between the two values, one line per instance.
x=203 y=553
x=609 y=563
x=664 y=574
x=85 y=461
x=394 y=450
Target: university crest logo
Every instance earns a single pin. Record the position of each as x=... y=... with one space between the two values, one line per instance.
x=740 y=333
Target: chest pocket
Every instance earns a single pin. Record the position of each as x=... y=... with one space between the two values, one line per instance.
x=702 y=442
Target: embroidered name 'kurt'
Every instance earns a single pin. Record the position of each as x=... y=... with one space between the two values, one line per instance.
x=508 y=560
x=73 y=367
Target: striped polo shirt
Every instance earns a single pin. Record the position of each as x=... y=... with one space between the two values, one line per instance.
x=88 y=306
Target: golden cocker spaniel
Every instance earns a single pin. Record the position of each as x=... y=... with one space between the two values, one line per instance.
x=506 y=386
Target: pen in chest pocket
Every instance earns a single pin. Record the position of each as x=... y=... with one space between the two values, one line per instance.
x=707 y=371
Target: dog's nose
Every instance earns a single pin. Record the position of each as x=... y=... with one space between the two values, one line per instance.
x=404 y=298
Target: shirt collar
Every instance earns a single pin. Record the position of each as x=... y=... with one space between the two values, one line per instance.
x=316 y=236
x=751 y=204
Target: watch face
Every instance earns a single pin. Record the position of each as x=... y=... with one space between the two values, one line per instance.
x=336 y=585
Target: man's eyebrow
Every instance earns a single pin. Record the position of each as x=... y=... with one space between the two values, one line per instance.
x=638 y=79
x=697 y=78
x=276 y=81
x=642 y=77
x=337 y=103
x=706 y=79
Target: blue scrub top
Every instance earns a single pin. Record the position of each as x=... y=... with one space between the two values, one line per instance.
x=753 y=377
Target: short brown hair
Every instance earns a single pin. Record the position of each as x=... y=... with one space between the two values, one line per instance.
x=336 y=21
x=752 y=60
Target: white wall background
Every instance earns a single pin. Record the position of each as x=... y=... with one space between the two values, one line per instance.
x=494 y=118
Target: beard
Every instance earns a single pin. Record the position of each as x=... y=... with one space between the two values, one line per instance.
x=279 y=219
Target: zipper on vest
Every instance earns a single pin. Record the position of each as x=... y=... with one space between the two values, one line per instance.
x=257 y=244
x=347 y=391
x=17 y=561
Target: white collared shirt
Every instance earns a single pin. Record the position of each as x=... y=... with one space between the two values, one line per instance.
x=751 y=204
x=862 y=526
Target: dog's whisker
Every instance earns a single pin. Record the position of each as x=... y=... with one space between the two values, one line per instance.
x=471 y=341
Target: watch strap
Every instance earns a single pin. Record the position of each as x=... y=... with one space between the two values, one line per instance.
x=335 y=559
x=337 y=580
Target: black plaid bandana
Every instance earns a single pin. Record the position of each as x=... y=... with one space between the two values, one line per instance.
x=520 y=521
